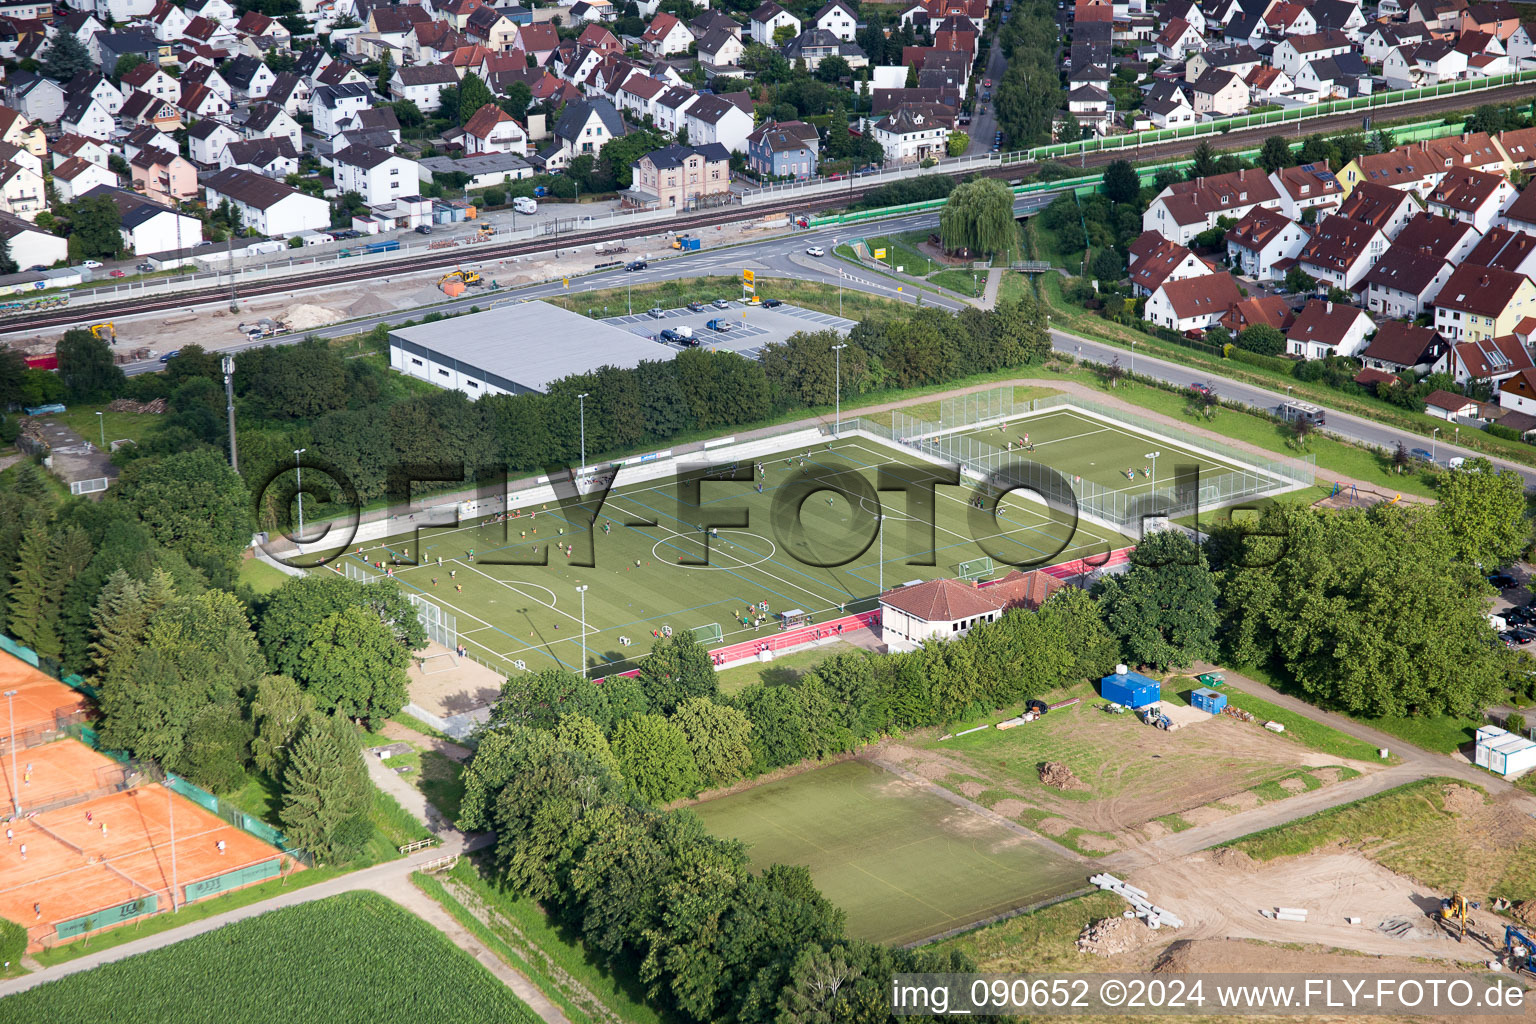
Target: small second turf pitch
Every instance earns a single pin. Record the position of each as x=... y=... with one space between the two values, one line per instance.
x=903 y=862
x=641 y=584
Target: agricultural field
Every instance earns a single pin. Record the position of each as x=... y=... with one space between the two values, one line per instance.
x=1135 y=783
x=284 y=966
x=648 y=580
x=902 y=861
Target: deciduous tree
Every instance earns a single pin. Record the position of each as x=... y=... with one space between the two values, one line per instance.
x=719 y=737
x=1163 y=610
x=654 y=757
x=354 y=665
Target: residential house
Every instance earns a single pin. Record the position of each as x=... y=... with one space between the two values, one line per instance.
x=783 y=149
x=1404 y=282
x=1400 y=347
x=721 y=48
x=1385 y=37
x=377 y=175
x=21 y=133
x=94 y=85
x=76 y=176
x=637 y=96
x=422 y=85
x=1168 y=105
x=583 y=129
x=151 y=79
x=1448 y=405
x=1178 y=39
x=1406 y=168
x=722 y=119
x=30 y=246
x=1414 y=65
x=1487 y=360
x=913 y=133
x=1193 y=303
x=290 y=92
x=1506 y=250
x=201 y=101
x=1472 y=197
x=1381 y=206
x=1341 y=252
x=206 y=140
x=249 y=76
x=492 y=29
x=1220 y=93
x=1237 y=59
x=88 y=116
x=267 y=30
x=538 y=41
x=1308 y=187
x=333 y=104
x=1265 y=244
x=374 y=120
x=1325 y=329
x=40 y=100
x=145 y=136
x=1267 y=84
x=1439 y=237
x=493 y=130
x=170 y=22
x=815 y=45
x=21 y=191
x=1519 y=211
x=163 y=176
x=269 y=121
x=678 y=177
x=1481 y=303
x=1519 y=147
x=670 y=108
x=142 y=108
x=1269 y=310
x=114 y=46
x=267 y=206
x=1499 y=19
x=666 y=35
x=1154 y=259
x=273 y=158
x=1341 y=77
x=1294 y=52
x=839 y=18
x=67 y=146
x=207 y=75
x=1186 y=208
x=765 y=22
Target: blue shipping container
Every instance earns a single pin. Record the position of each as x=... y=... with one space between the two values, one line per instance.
x=1208 y=700
x=1132 y=689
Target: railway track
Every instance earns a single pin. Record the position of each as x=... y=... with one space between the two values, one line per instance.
x=447 y=259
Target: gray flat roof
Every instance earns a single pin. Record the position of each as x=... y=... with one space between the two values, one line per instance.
x=532 y=344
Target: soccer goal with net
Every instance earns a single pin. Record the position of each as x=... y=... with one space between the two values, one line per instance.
x=975 y=569
x=710 y=634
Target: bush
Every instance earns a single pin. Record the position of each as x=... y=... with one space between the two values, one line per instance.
x=1507 y=433
x=1515 y=723
x=13 y=941
x=494 y=197
x=295 y=242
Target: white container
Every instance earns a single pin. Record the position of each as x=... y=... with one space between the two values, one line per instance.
x=522 y=204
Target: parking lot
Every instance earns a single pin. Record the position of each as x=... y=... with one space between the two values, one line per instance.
x=752 y=327
x=1515 y=607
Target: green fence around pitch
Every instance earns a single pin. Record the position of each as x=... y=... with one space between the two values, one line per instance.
x=203 y=888
x=10 y=646
x=110 y=916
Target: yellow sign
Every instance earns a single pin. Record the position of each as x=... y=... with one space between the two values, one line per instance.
x=879 y=254
x=747 y=277
x=565 y=281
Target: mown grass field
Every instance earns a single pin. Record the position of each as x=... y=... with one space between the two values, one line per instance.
x=356 y=958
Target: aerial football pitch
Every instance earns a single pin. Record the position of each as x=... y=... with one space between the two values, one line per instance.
x=819 y=530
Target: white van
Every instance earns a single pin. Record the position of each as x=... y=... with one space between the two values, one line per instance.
x=522 y=204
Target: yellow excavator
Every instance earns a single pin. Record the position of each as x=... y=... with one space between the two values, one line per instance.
x=486 y=231
x=469 y=277
x=107 y=332
x=1454 y=909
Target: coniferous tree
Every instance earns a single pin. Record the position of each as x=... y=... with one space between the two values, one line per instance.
x=325 y=786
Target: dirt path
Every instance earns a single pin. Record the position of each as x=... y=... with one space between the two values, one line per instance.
x=405 y=734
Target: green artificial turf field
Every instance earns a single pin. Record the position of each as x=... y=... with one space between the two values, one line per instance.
x=903 y=862
x=641 y=581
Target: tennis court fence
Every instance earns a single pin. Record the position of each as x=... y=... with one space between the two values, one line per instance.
x=947 y=439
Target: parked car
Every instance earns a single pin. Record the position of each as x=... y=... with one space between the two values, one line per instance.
x=1521 y=616
x=146 y=268
x=1200 y=388
x=986 y=83
x=1502 y=580
x=1507 y=639
x=670 y=335
x=1523 y=634
x=118 y=273
x=424 y=229
x=655 y=312
x=816 y=250
x=92 y=264
x=636 y=265
x=1422 y=454
x=720 y=325
x=770 y=303
x=172 y=354
x=721 y=304
x=695 y=307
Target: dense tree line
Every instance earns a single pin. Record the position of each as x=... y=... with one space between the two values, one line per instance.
x=1030 y=92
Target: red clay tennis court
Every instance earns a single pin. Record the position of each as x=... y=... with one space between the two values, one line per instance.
x=105 y=859
x=40 y=708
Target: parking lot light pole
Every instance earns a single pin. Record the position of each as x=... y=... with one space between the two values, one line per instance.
x=299 y=468
x=1433 y=434
x=581 y=400
x=837 y=390
x=1153 y=456
x=10 y=702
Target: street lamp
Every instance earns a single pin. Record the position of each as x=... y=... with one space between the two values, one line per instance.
x=582 y=590
x=1433 y=433
x=581 y=401
x=10 y=702
x=1133 y=359
x=228 y=366
x=837 y=389
x=1153 y=456
x=880 y=525
x=101 y=422
x=299 y=468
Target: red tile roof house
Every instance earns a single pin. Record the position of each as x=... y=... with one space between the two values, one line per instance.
x=1193 y=304
x=1404 y=282
x=1264 y=244
x=1471 y=197
x=943 y=609
x=1447 y=405
x=1154 y=259
x=1341 y=252
x=1519 y=392
x=1325 y=329
x=1490 y=359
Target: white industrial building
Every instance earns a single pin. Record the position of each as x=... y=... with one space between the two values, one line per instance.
x=507 y=351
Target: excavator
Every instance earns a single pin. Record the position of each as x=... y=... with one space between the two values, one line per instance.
x=1455 y=908
x=107 y=332
x=469 y=277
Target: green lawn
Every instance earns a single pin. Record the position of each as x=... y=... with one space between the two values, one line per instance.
x=901 y=861
x=510 y=613
x=783 y=670
x=441 y=782
x=260 y=576
x=965 y=282
x=1040 y=941
x=356 y=958
x=82 y=419
x=855 y=305
x=1311 y=734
